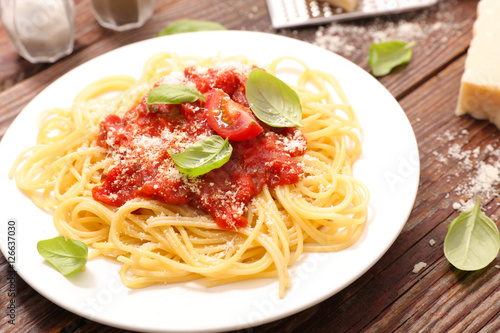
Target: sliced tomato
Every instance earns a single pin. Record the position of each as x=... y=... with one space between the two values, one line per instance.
x=229 y=118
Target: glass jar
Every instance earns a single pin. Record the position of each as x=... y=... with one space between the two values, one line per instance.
x=122 y=15
x=41 y=30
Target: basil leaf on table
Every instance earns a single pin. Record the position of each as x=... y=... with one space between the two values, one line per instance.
x=183 y=26
x=203 y=156
x=472 y=241
x=273 y=101
x=174 y=94
x=385 y=56
x=65 y=254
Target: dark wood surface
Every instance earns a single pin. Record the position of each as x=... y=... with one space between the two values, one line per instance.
x=389 y=297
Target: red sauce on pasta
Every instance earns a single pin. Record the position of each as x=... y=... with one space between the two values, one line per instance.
x=139 y=140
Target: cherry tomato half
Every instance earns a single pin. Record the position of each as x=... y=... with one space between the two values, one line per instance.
x=229 y=118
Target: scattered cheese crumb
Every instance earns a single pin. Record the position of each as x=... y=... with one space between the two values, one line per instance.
x=418 y=267
x=432 y=242
x=481 y=163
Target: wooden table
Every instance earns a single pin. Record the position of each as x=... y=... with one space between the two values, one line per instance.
x=389 y=297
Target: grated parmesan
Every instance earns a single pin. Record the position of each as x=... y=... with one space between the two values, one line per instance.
x=427 y=26
x=483 y=175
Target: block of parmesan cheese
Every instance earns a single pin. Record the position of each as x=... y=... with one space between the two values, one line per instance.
x=480 y=86
x=348 y=5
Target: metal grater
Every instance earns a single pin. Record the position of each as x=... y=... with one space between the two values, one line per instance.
x=294 y=13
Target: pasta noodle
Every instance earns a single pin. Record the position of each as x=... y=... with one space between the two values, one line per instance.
x=163 y=243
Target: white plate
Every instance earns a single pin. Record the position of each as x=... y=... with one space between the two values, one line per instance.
x=389 y=167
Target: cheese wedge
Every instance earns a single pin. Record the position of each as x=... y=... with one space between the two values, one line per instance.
x=348 y=5
x=480 y=86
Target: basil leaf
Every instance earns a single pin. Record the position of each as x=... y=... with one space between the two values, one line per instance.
x=385 y=56
x=65 y=254
x=174 y=94
x=472 y=241
x=272 y=100
x=182 y=26
x=203 y=156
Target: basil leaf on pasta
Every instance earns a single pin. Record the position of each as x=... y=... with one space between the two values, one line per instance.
x=273 y=101
x=472 y=241
x=183 y=26
x=174 y=94
x=65 y=254
x=203 y=156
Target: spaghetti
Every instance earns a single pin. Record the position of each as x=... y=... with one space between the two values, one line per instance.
x=157 y=242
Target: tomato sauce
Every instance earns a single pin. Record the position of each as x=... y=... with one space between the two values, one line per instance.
x=139 y=141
